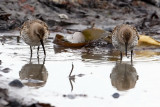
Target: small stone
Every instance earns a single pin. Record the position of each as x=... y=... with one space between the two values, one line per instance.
x=40 y=105
x=80 y=75
x=14 y=103
x=70 y=96
x=115 y=95
x=6 y=70
x=63 y=16
x=16 y=83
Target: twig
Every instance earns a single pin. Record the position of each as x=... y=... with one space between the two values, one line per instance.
x=71 y=77
x=71 y=70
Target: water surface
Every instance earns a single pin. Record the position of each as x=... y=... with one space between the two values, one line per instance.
x=96 y=76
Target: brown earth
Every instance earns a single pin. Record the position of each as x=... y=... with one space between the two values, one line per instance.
x=106 y=14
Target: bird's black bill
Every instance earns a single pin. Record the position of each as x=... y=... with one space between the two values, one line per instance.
x=31 y=53
x=43 y=47
x=38 y=51
x=126 y=45
x=131 y=56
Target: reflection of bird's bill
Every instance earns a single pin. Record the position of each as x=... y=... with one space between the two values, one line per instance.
x=123 y=76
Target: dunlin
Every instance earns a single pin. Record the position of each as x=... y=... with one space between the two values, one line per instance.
x=34 y=33
x=125 y=38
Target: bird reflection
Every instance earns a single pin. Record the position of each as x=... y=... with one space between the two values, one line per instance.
x=123 y=76
x=34 y=75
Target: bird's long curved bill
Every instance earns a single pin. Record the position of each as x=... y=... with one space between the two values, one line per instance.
x=43 y=47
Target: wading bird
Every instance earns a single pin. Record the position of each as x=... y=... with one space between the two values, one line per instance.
x=34 y=33
x=125 y=38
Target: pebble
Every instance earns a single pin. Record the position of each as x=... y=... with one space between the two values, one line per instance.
x=115 y=95
x=16 y=83
x=6 y=70
x=70 y=96
x=15 y=103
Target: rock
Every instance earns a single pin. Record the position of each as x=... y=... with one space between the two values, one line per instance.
x=59 y=40
x=80 y=75
x=63 y=16
x=3 y=97
x=154 y=2
x=5 y=101
x=3 y=25
x=73 y=96
x=6 y=70
x=77 y=37
x=16 y=83
x=14 y=103
x=4 y=16
x=40 y=105
x=115 y=95
x=70 y=96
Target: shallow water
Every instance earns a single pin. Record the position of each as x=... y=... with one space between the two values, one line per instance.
x=96 y=76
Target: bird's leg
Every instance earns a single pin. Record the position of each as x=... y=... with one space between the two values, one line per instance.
x=43 y=46
x=38 y=51
x=31 y=51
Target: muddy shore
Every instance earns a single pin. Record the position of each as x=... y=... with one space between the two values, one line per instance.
x=73 y=16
